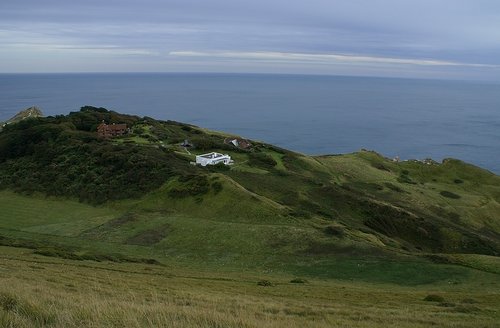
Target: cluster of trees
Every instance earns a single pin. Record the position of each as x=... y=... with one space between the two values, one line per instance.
x=62 y=156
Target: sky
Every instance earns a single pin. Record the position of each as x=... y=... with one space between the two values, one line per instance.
x=445 y=39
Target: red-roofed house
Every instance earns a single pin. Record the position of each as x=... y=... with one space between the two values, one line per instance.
x=111 y=130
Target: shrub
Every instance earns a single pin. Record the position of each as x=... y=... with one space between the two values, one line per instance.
x=449 y=194
x=434 y=298
x=393 y=187
x=298 y=281
x=37 y=315
x=335 y=230
x=404 y=178
x=446 y=304
x=261 y=160
x=217 y=187
x=469 y=301
x=56 y=252
x=149 y=261
x=219 y=167
x=381 y=166
x=93 y=109
x=466 y=309
x=265 y=283
x=458 y=181
x=8 y=302
x=139 y=130
x=192 y=185
x=205 y=143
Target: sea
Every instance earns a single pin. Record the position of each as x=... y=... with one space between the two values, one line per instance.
x=409 y=118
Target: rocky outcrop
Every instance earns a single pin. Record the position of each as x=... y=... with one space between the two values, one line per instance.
x=31 y=112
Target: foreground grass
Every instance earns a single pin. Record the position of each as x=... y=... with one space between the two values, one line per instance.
x=43 y=292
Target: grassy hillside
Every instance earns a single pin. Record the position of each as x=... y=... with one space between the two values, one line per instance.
x=136 y=208
x=37 y=291
x=412 y=206
x=334 y=204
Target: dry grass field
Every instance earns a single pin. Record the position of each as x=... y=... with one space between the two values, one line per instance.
x=37 y=291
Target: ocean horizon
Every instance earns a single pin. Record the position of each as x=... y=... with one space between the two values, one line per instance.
x=312 y=114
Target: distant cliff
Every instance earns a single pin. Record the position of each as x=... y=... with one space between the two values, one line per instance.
x=31 y=112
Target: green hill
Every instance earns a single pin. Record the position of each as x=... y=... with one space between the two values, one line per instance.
x=69 y=195
x=355 y=201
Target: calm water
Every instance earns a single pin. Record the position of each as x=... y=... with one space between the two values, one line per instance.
x=310 y=114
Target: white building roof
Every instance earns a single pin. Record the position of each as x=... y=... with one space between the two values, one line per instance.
x=213 y=155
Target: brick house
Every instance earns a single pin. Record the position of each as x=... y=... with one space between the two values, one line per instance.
x=111 y=130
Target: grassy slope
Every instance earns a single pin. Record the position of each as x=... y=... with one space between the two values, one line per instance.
x=357 y=218
x=234 y=228
x=478 y=205
x=272 y=206
x=50 y=216
x=39 y=292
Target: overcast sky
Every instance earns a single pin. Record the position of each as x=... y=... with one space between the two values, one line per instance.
x=450 y=39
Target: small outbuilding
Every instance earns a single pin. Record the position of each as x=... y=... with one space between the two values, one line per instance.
x=238 y=142
x=213 y=158
x=186 y=144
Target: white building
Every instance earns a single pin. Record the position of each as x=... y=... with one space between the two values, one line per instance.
x=213 y=158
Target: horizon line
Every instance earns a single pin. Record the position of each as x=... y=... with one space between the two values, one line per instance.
x=489 y=81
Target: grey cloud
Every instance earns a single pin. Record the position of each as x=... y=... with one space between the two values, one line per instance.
x=456 y=31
